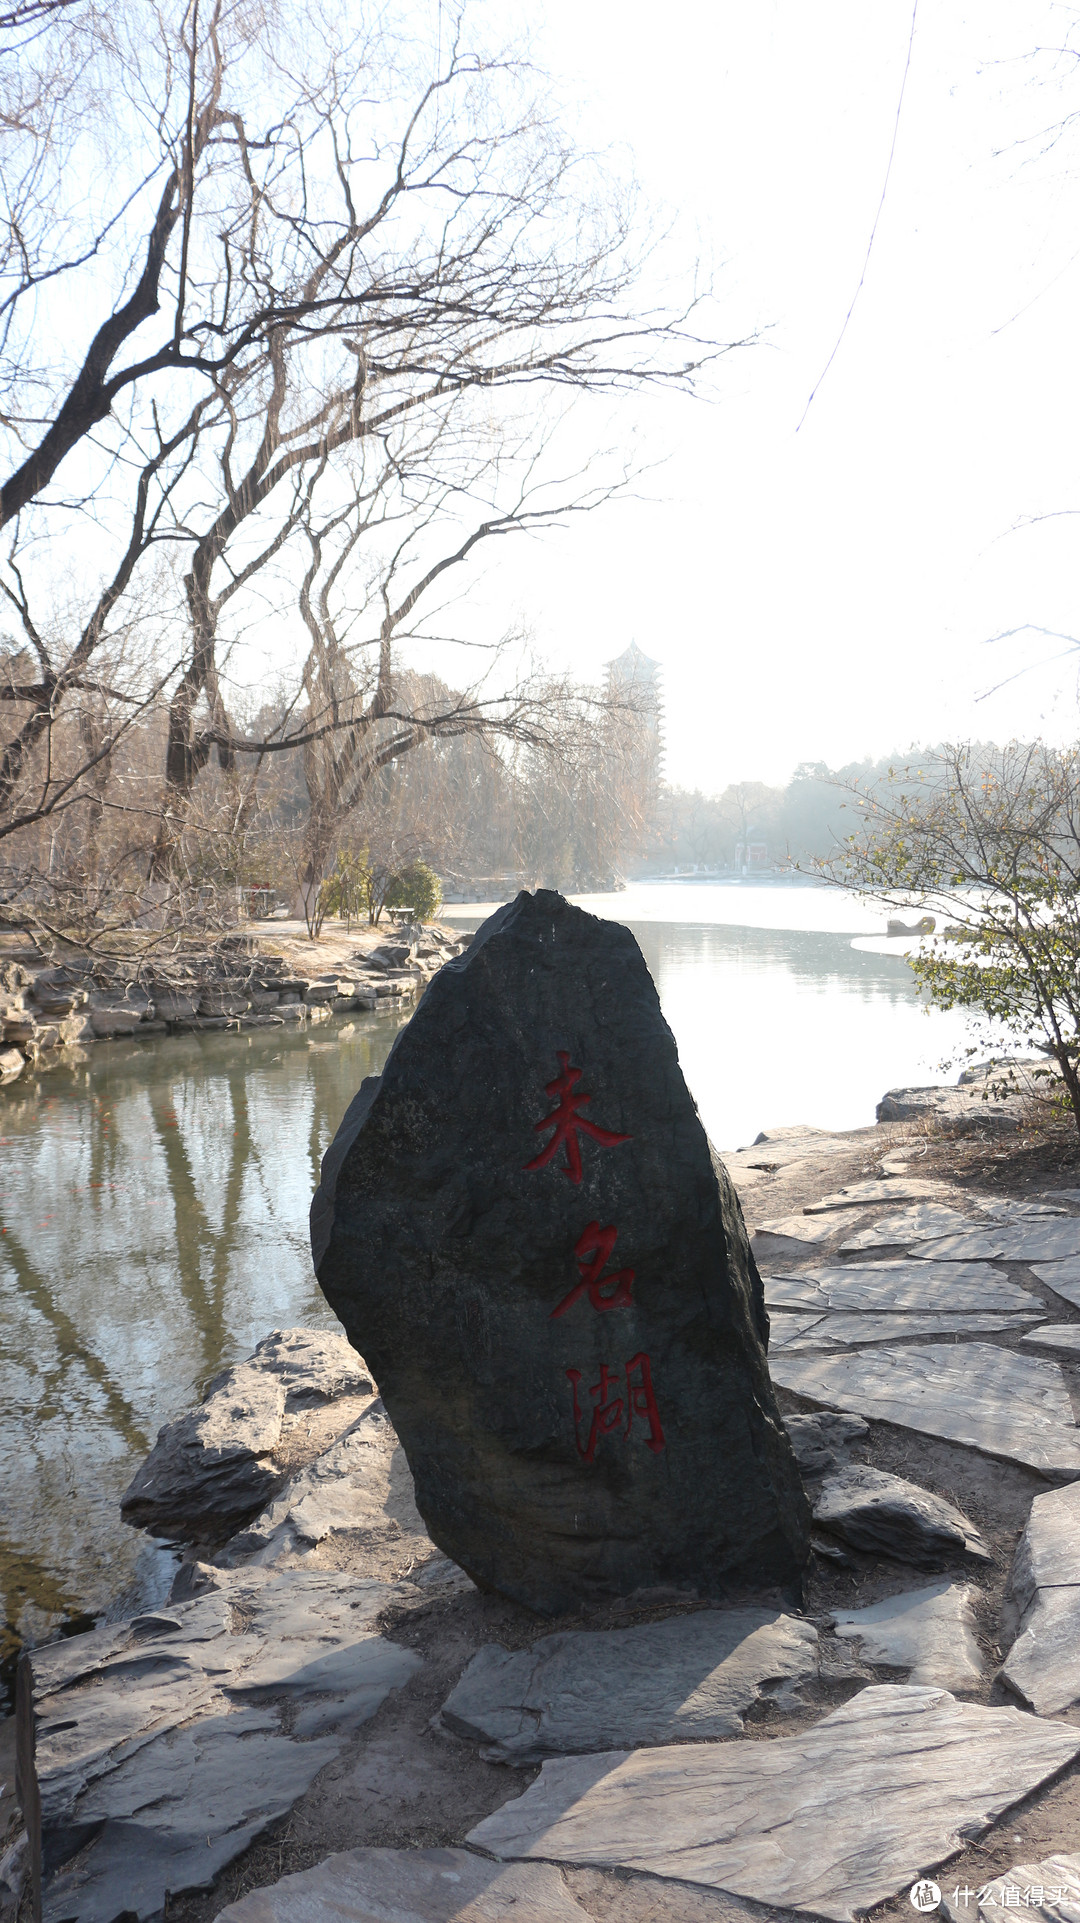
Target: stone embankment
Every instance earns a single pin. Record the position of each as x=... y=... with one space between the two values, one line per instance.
x=239 y=984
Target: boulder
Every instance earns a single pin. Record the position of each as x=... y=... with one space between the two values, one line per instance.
x=118 y=1015
x=176 y=1002
x=216 y=1467
x=12 y=1063
x=56 y=998
x=42 y=1035
x=21 y=1027
x=524 y=1228
x=238 y=946
x=392 y=955
x=78 y=1028
x=821 y=1441
x=313 y=1366
x=360 y=1487
x=886 y=1516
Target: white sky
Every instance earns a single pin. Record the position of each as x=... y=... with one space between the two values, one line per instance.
x=829 y=594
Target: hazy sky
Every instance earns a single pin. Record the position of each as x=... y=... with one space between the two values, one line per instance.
x=830 y=593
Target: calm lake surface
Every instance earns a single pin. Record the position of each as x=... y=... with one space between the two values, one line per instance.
x=154 y=1199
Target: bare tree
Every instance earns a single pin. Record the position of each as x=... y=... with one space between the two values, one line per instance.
x=336 y=243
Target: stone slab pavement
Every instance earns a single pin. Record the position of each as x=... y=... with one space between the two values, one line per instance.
x=830 y=1821
x=1007 y=1405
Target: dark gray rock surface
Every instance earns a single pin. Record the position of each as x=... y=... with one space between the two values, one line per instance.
x=152 y=1752
x=217 y=1466
x=524 y=1230
x=886 y=1516
x=821 y=1441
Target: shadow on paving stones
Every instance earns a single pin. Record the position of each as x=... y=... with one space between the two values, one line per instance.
x=402 y=1783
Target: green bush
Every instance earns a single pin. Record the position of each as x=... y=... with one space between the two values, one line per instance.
x=418 y=888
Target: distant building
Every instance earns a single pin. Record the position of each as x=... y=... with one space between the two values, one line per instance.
x=631 y=731
x=751 y=854
x=633 y=669
x=636 y=679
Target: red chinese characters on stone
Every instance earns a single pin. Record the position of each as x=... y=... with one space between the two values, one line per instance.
x=568 y=1123
x=593 y=1251
x=619 y=1393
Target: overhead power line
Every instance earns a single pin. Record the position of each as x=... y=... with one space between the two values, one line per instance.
x=874 y=228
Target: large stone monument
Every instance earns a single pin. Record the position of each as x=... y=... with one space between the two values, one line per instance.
x=526 y=1234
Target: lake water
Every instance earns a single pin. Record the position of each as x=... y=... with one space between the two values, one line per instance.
x=154 y=1199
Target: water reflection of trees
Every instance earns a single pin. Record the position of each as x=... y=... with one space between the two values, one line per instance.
x=201 y=1125
x=71 y=1347
x=26 y=1581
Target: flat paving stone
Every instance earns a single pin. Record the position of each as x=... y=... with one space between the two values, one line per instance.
x=1016 y=1211
x=160 y=1744
x=1008 y=1405
x=800 y=1228
x=412 y=1886
x=1062 y=1336
x=919 y=1223
x=1049 y=1890
x=930 y=1632
x=1043 y=1665
x=688 y=1678
x=946 y=1287
x=1030 y=1240
x=884 y=1515
x=881 y=1194
x=792 y=1331
x=1062 y=1277
x=831 y=1820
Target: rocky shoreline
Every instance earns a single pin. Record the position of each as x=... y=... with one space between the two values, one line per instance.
x=386 y=1708
x=246 y=981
